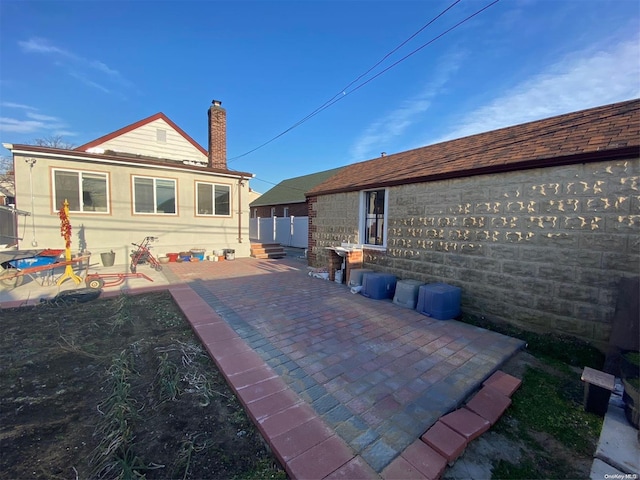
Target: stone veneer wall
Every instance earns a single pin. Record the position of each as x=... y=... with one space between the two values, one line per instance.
x=543 y=249
x=333 y=219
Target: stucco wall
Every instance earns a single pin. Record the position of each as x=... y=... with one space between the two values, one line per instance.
x=119 y=228
x=544 y=249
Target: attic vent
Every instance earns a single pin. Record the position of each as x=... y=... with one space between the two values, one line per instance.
x=161 y=135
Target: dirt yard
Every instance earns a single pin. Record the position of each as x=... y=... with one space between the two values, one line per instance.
x=118 y=388
x=121 y=388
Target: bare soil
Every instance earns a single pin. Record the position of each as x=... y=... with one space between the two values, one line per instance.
x=121 y=388
x=118 y=388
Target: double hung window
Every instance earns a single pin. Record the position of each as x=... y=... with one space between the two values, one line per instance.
x=373 y=217
x=154 y=195
x=86 y=192
x=213 y=199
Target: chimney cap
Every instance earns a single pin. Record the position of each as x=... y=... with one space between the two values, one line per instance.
x=216 y=103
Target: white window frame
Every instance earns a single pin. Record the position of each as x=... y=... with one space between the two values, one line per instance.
x=273 y=212
x=363 y=219
x=286 y=212
x=213 y=199
x=58 y=202
x=155 y=195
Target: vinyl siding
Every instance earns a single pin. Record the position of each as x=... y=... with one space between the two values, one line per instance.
x=143 y=141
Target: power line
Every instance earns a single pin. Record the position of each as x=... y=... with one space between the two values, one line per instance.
x=343 y=90
x=412 y=53
x=343 y=93
x=561 y=124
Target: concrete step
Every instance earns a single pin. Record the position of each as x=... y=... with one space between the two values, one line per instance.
x=267 y=250
x=269 y=255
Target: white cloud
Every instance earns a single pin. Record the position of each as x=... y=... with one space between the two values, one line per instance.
x=91 y=83
x=78 y=67
x=586 y=79
x=19 y=126
x=17 y=105
x=39 y=45
x=395 y=123
x=65 y=133
x=33 y=122
x=42 y=118
x=104 y=68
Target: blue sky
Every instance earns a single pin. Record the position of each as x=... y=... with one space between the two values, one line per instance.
x=84 y=69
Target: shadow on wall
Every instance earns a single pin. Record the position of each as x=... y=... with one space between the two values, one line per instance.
x=625 y=329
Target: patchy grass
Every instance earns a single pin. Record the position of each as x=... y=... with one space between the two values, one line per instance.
x=546 y=421
x=555 y=348
x=531 y=469
x=633 y=358
x=552 y=404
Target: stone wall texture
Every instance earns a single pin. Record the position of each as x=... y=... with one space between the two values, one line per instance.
x=543 y=249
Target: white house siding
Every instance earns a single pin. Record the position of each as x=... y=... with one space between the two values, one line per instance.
x=119 y=228
x=544 y=249
x=143 y=141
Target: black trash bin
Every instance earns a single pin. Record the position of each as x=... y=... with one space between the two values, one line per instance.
x=229 y=254
x=597 y=390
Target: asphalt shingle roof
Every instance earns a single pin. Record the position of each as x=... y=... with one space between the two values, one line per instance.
x=606 y=132
x=292 y=190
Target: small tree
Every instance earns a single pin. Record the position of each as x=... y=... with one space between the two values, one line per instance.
x=6 y=167
x=7 y=177
x=54 y=141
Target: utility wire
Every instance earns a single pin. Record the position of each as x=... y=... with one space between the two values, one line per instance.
x=560 y=125
x=408 y=55
x=344 y=89
x=343 y=93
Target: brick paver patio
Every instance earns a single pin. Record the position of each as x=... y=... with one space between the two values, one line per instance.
x=378 y=375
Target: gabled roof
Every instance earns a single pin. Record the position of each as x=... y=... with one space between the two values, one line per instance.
x=292 y=190
x=138 y=124
x=601 y=133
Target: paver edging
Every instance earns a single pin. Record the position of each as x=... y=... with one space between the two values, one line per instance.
x=333 y=448
x=492 y=389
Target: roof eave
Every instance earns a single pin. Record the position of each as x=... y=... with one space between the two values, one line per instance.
x=590 y=157
x=106 y=158
x=279 y=202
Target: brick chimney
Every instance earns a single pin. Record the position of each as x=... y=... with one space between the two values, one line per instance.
x=217 y=135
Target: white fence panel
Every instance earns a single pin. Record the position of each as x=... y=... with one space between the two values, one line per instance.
x=9 y=225
x=300 y=232
x=287 y=231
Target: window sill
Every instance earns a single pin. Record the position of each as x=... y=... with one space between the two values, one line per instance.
x=375 y=248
